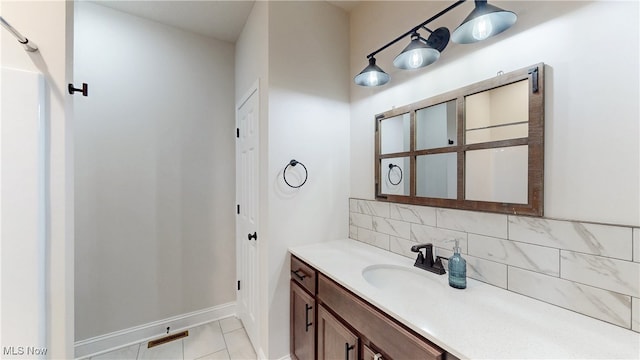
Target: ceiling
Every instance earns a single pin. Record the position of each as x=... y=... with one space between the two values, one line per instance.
x=220 y=19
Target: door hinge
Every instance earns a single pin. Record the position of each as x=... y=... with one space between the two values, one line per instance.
x=238 y=132
x=238 y=208
x=238 y=284
x=534 y=79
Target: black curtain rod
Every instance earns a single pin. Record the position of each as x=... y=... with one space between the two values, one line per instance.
x=415 y=28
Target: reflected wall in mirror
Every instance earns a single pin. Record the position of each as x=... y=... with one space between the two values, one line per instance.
x=497 y=114
x=498 y=174
x=395 y=173
x=394 y=136
x=436 y=126
x=480 y=147
x=437 y=176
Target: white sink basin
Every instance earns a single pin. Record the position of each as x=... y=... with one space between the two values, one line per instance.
x=389 y=277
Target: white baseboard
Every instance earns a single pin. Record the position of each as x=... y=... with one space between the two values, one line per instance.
x=115 y=340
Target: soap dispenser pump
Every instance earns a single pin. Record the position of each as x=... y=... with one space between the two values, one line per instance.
x=457 y=269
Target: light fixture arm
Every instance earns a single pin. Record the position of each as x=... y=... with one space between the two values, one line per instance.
x=417 y=27
x=426 y=28
x=417 y=36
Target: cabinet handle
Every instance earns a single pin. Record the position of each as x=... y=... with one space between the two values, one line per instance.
x=347 y=348
x=300 y=277
x=306 y=317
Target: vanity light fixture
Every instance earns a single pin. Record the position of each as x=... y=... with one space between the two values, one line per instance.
x=372 y=75
x=422 y=52
x=482 y=23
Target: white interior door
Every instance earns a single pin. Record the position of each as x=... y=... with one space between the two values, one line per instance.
x=247 y=237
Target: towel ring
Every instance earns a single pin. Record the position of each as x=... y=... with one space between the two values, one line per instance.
x=294 y=163
x=391 y=166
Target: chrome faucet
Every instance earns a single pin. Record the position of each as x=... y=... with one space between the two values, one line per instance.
x=426 y=261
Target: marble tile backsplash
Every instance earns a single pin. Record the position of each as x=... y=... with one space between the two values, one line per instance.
x=593 y=269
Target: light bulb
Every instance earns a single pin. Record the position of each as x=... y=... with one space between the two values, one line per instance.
x=416 y=59
x=482 y=28
x=373 y=78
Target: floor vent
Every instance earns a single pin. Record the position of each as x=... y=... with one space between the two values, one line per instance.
x=168 y=338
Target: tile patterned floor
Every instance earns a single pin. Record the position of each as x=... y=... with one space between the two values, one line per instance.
x=219 y=340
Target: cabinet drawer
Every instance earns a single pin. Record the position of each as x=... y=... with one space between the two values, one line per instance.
x=395 y=340
x=303 y=274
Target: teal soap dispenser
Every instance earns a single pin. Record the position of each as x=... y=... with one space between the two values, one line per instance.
x=457 y=269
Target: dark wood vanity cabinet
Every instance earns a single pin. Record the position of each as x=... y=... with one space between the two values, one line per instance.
x=335 y=340
x=344 y=326
x=370 y=354
x=303 y=334
x=303 y=311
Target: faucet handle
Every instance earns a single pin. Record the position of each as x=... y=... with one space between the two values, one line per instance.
x=417 y=248
x=438 y=262
x=438 y=266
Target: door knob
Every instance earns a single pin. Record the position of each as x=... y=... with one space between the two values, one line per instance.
x=253 y=236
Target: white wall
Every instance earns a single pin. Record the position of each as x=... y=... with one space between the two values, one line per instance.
x=592 y=147
x=154 y=140
x=309 y=122
x=306 y=94
x=49 y=25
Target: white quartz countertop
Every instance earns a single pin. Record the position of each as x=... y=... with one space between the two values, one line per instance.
x=479 y=322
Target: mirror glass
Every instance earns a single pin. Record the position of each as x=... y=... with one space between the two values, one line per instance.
x=479 y=147
x=395 y=176
x=436 y=126
x=497 y=174
x=394 y=134
x=437 y=175
x=498 y=114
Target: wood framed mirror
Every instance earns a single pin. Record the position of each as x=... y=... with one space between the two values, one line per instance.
x=480 y=147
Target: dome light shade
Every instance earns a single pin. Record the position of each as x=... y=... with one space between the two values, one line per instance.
x=483 y=22
x=419 y=54
x=416 y=55
x=372 y=75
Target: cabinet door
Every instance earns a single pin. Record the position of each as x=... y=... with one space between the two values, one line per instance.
x=335 y=341
x=370 y=354
x=303 y=328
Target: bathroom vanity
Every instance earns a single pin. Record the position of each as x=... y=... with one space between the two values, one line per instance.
x=353 y=301
x=345 y=326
